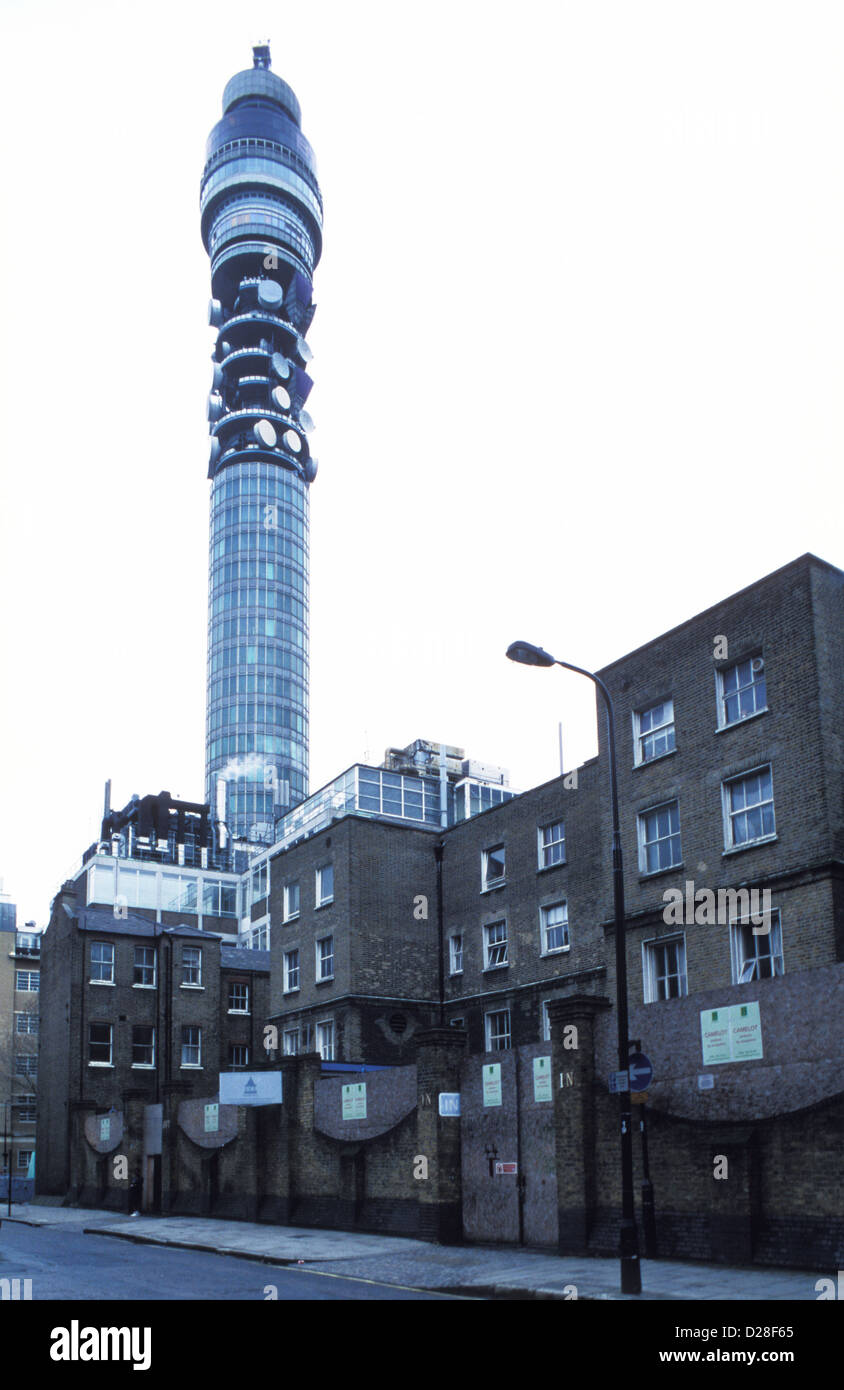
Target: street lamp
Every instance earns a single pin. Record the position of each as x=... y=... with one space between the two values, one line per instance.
x=631 y=1279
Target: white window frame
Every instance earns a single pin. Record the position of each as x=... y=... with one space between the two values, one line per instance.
x=650 y=974
x=290 y=969
x=545 y=926
x=320 y=898
x=191 y=966
x=197 y=1065
x=24 y=1156
x=287 y=915
x=726 y=800
x=455 y=953
x=260 y=883
x=141 y=984
x=24 y=1065
x=238 y=1008
x=28 y=1030
x=30 y=976
x=233 y=1047
x=644 y=842
x=143 y=1066
x=493 y=947
x=27 y=1114
x=214 y=887
x=496 y=882
x=758 y=678
x=287 y=1049
x=666 y=729
x=544 y=847
x=507 y=1033
x=325 y=1039
x=101 y=964
x=743 y=932
x=97 y=1023
x=320 y=941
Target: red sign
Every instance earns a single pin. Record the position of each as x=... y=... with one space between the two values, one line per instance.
x=506 y=1168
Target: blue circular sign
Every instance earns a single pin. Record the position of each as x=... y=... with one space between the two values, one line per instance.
x=641 y=1071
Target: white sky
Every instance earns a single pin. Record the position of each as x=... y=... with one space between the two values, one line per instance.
x=578 y=365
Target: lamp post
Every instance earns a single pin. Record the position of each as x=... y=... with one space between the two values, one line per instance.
x=631 y=1280
x=7 y=1152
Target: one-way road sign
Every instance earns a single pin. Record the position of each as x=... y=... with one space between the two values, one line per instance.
x=641 y=1071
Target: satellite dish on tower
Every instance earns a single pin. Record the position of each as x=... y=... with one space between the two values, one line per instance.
x=265 y=434
x=270 y=294
x=305 y=421
x=215 y=313
x=303 y=350
x=280 y=365
x=280 y=398
x=310 y=469
x=291 y=441
x=215 y=407
x=217 y=377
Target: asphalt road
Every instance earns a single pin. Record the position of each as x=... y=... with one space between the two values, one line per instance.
x=66 y=1264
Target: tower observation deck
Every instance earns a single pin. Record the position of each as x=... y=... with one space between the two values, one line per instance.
x=262 y=228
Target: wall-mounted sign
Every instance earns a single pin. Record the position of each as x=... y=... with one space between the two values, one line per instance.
x=731 y=1034
x=492 y=1083
x=105 y=1129
x=449 y=1102
x=250 y=1088
x=505 y=1168
x=212 y=1118
x=354 y=1101
x=541 y=1078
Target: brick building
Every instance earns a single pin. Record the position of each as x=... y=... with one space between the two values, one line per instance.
x=139 y=1016
x=19 y=1022
x=473 y=953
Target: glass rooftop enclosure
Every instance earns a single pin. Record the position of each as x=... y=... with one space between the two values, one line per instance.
x=170 y=856
x=426 y=801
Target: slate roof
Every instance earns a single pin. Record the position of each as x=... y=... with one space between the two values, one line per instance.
x=102 y=919
x=236 y=958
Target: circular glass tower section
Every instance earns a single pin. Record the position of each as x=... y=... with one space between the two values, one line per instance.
x=262 y=228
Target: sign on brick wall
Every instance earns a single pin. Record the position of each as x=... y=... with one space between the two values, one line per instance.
x=212 y=1118
x=492 y=1084
x=250 y=1088
x=731 y=1034
x=541 y=1078
x=354 y=1101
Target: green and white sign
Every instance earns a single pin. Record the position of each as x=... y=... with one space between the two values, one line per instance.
x=731 y=1034
x=745 y=1032
x=212 y=1118
x=542 y=1078
x=492 y=1083
x=354 y=1101
x=105 y=1129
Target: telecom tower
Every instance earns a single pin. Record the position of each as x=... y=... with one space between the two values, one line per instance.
x=262 y=228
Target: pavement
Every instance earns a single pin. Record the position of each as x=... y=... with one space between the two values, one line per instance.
x=482 y=1271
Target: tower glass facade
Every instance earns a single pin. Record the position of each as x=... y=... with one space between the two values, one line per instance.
x=262 y=228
